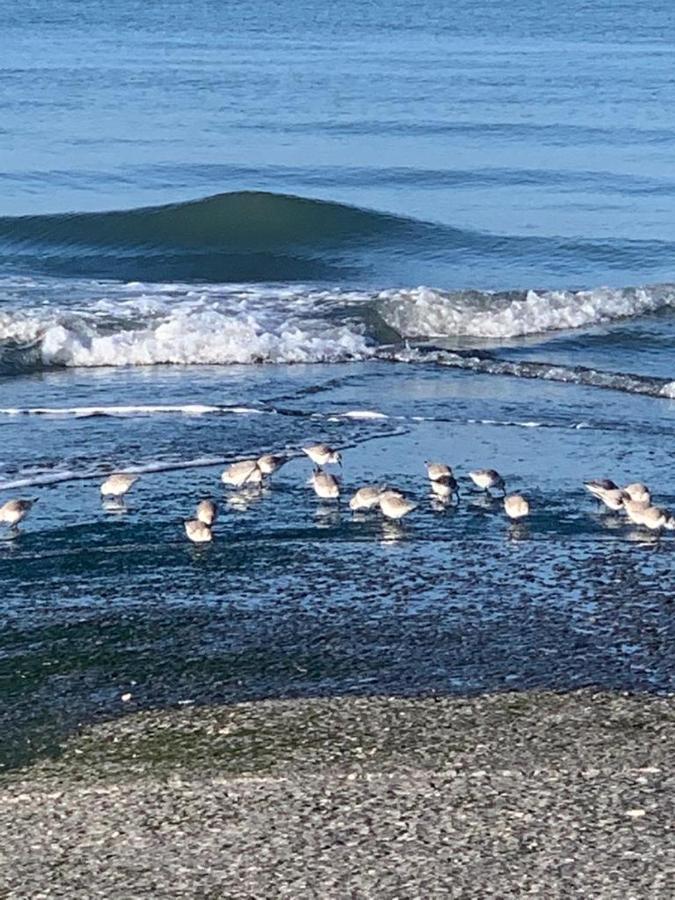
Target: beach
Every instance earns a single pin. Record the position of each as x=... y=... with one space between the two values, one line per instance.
x=502 y=795
x=433 y=238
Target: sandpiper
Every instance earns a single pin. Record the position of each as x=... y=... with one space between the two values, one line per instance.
x=438 y=471
x=246 y=471
x=613 y=499
x=638 y=491
x=487 y=479
x=516 y=506
x=207 y=512
x=270 y=462
x=118 y=485
x=323 y=455
x=325 y=485
x=395 y=505
x=366 y=497
x=599 y=486
x=635 y=510
x=655 y=518
x=445 y=488
x=14 y=511
x=198 y=532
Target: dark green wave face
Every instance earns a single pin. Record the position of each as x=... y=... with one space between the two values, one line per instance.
x=244 y=235
x=264 y=237
x=239 y=220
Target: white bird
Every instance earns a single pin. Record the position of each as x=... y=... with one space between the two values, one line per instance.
x=270 y=462
x=600 y=486
x=325 y=485
x=118 y=484
x=246 y=471
x=207 y=512
x=613 y=499
x=438 y=471
x=487 y=479
x=444 y=488
x=14 y=511
x=638 y=491
x=366 y=497
x=395 y=505
x=655 y=518
x=635 y=510
x=198 y=532
x=516 y=506
x=323 y=455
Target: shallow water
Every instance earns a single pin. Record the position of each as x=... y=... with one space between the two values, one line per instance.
x=286 y=183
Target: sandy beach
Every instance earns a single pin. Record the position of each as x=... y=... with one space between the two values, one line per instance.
x=505 y=795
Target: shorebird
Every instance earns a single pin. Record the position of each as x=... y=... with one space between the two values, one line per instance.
x=366 y=497
x=655 y=518
x=325 y=485
x=487 y=479
x=606 y=491
x=516 y=506
x=444 y=488
x=600 y=486
x=438 y=471
x=270 y=462
x=118 y=485
x=207 y=512
x=323 y=455
x=14 y=511
x=246 y=471
x=395 y=505
x=613 y=499
x=638 y=491
x=635 y=510
x=198 y=532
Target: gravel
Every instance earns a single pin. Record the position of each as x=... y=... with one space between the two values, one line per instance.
x=501 y=795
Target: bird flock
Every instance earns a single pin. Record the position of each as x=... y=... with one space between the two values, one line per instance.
x=634 y=500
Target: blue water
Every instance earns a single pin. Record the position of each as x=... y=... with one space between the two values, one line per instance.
x=231 y=228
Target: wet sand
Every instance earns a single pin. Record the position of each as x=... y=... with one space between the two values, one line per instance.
x=503 y=795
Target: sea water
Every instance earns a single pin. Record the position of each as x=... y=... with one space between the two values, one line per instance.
x=413 y=230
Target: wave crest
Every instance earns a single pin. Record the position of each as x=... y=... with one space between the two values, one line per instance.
x=136 y=324
x=427 y=313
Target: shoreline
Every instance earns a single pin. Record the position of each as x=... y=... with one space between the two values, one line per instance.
x=494 y=795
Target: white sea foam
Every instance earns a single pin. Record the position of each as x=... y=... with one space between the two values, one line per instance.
x=424 y=312
x=142 y=325
x=84 y=412
x=362 y=414
x=93 y=323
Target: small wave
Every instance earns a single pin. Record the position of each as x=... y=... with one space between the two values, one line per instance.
x=360 y=414
x=427 y=313
x=485 y=364
x=86 y=412
x=260 y=236
x=147 y=326
x=44 y=325
x=229 y=237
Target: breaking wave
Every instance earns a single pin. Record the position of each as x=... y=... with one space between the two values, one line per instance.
x=93 y=323
x=426 y=313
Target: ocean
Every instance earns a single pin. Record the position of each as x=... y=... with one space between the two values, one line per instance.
x=413 y=230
